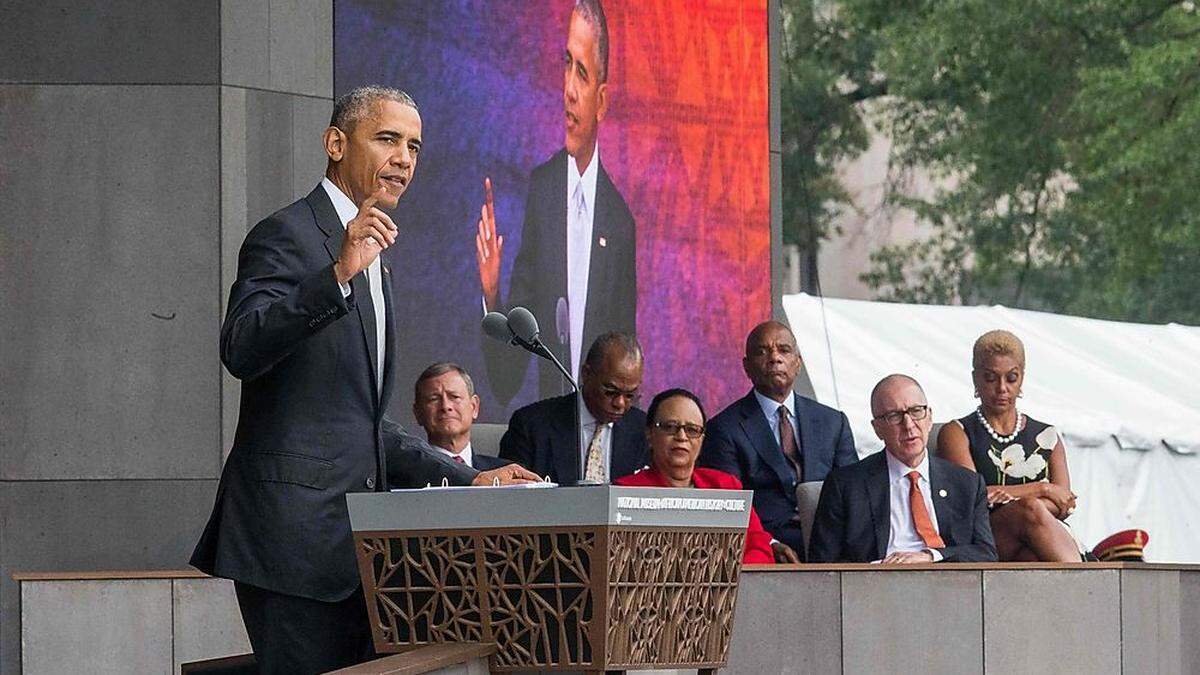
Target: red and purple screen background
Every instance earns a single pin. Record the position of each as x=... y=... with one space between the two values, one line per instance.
x=685 y=142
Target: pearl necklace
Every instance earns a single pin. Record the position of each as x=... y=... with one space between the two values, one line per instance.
x=1001 y=439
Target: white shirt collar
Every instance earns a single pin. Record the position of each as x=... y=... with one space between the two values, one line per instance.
x=465 y=454
x=770 y=406
x=346 y=210
x=588 y=177
x=587 y=421
x=898 y=470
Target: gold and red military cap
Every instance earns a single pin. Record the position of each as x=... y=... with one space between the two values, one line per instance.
x=1124 y=546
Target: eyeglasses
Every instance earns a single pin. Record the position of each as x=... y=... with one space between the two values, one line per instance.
x=610 y=392
x=917 y=412
x=693 y=431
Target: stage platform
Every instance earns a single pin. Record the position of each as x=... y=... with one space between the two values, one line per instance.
x=946 y=618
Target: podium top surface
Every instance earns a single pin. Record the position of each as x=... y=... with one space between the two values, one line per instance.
x=511 y=507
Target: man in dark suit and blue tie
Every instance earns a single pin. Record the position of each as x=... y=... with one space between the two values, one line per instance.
x=594 y=437
x=772 y=438
x=309 y=332
x=902 y=505
x=445 y=405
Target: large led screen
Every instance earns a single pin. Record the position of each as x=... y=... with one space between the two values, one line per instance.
x=670 y=217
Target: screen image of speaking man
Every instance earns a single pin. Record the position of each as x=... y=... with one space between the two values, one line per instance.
x=308 y=332
x=576 y=268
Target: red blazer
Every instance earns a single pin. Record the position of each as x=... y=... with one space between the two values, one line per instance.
x=758 y=542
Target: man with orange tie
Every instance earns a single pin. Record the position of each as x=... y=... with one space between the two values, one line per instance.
x=445 y=405
x=902 y=505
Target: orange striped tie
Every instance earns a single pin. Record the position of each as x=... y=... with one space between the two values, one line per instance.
x=920 y=515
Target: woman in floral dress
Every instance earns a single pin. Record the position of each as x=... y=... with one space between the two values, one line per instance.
x=1022 y=460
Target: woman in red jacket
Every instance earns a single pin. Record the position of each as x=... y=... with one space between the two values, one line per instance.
x=675 y=429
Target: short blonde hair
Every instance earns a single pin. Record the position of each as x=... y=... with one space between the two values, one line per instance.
x=997 y=343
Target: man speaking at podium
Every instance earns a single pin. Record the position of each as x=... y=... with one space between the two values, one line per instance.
x=576 y=269
x=309 y=332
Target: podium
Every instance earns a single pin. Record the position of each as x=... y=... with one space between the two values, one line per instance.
x=566 y=578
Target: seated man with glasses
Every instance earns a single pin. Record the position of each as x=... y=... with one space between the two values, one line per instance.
x=591 y=438
x=675 y=429
x=902 y=505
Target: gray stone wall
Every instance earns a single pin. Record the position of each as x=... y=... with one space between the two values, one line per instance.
x=139 y=142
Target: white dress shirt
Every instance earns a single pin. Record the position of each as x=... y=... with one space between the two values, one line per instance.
x=770 y=408
x=465 y=454
x=346 y=211
x=587 y=427
x=581 y=211
x=903 y=533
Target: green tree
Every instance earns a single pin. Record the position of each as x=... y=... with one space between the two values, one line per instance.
x=826 y=70
x=1062 y=133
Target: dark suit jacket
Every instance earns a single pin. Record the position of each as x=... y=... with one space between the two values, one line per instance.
x=487 y=462
x=853 y=515
x=539 y=276
x=542 y=437
x=311 y=426
x=740 y=442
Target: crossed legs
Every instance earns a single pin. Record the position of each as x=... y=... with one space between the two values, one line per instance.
x=1025 y=530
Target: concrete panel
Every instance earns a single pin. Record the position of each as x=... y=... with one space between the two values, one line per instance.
x=1049 y=621
x=246 y=43
x=1150 y=636
x=114 y=41
x=787 y=622
x=96 y=627
x=279 y=45
x=93 y=525
x=887 y=614
x=1189 y=621
x=774 y=68
x=109 y=231
x=271 y=155
x=233 y=231
x=302 y=47
x=207 y=622
x=310 y=118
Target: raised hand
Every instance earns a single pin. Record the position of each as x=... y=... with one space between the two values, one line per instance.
x=366 y=236
x=488 y=247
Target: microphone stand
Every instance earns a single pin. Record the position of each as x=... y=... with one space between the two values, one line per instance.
x=539 y=348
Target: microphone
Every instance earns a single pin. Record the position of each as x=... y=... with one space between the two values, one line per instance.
x=523 y=325
x=495 y=326
x=520 y=327
x=562 y=322
x=562 y=325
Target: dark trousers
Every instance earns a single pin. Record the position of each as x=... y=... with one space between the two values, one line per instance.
x=297 y=636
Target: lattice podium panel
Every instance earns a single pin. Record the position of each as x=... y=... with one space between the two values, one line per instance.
x=573 y=596
x=671 y=596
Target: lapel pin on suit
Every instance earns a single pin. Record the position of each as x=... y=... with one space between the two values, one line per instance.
x=603 y=242
x=386 y=270
x=941 y=493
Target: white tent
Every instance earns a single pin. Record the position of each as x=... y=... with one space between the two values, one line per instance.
x=1125 y=396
